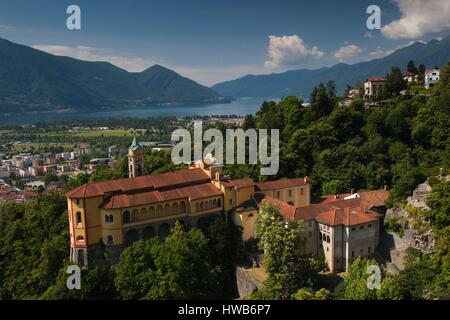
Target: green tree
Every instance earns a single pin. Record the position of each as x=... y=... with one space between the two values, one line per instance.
x=281 y=241
x=394 y=82
x=309 y=294
x=411 y=67
x=177 y=268
x=439 y=201
x=355 y=285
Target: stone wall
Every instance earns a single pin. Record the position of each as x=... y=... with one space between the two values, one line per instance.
x=245 y=283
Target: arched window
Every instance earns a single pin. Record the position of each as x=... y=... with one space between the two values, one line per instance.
x=111 y=218
x=175 y=209
x=152 y=212
x=80 y=257
x=126 y=217
x=215 y=203
x=78 y=217
x=197 y=207
x=148 y=233
x=328 y=239
x=164 y=230
x=80 y=238
x=219 y=203
x=106 y=218
x=167 y=209
x=183 y=207
x=201 y=205
x=159 y=210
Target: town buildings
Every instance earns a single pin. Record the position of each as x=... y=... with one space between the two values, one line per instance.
x=111 y=215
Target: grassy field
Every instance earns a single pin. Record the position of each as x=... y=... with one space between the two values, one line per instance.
x=419 y=90
x=95 y=133
x=24 y=147
x=5 y=133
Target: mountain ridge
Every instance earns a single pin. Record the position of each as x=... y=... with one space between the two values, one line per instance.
x=32 y=80
x=301 y=82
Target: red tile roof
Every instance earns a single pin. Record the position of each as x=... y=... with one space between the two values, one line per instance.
x=170 y=179
x=286 y=210
x=203 y=190
x=407 y=74
x=239 y=183
x=377 y=197
x=335 y=211
x=348 y=216
x=376 y=79
x=280 y=184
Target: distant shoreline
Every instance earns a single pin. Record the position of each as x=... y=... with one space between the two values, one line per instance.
x=229 y=107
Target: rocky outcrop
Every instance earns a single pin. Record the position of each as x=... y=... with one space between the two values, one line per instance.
x=246 y=284
x=416 y=232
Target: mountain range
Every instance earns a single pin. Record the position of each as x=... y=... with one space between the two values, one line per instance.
x=33 y=80
x=301 y=82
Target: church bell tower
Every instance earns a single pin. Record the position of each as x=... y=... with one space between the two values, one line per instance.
x=135 y=160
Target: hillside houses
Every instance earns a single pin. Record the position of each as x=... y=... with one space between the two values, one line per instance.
x=373 y=86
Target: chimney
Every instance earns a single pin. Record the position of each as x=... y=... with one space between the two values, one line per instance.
x=352 y=191
x=306 y=179
x=385 y=188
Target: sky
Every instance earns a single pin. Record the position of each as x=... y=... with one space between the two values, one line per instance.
x=211 y=41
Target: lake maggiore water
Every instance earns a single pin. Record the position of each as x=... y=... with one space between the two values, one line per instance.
x=237 y=107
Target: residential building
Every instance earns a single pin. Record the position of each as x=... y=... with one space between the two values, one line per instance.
x=340 y=228
x=431 y=77
x=409 y=76
x=373 y=87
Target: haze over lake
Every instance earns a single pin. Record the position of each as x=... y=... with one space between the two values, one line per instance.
x=237 y=107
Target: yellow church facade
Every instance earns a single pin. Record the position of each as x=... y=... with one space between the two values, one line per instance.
x=111 y=215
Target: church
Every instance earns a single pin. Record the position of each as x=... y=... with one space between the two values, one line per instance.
x=110 y=215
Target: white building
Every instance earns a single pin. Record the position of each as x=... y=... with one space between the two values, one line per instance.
x=431 y=77
x=373 y=86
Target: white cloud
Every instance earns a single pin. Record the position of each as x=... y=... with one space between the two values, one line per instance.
x=132 y=64
x=418 y=18
x=348 y=51
x=289 y=51
x=380 y=52
x=368 y=35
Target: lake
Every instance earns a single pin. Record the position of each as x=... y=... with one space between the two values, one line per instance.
x=237 y=107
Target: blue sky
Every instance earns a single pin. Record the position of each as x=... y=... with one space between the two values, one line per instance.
x=211 y=40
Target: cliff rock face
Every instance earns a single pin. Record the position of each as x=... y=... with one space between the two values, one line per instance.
x=246 y=283
x=415 y=231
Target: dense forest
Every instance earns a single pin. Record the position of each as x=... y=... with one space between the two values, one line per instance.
x=398 y=144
